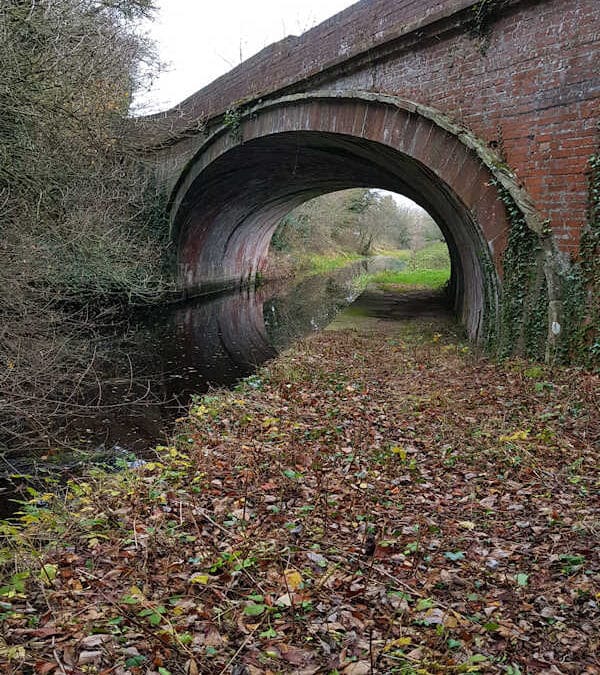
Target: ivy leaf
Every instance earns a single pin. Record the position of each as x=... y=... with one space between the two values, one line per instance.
x=254 y=610
x=154 y=619
x=457 y=555
x=130 y=600
x=424 y=603
x=48 y=574
x=269 y=633
x=135 y=661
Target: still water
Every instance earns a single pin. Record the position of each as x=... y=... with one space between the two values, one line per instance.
x=179 y=351
x=147 y=376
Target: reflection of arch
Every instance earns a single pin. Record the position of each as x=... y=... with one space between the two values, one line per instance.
x=225 y=338
x=250 y=173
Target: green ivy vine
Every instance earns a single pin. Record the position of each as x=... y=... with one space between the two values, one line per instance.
x=489 y=332
x=233 y=120
x=524 y=306
x=582 y=284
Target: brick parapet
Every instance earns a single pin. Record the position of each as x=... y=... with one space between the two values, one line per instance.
x=361 y=30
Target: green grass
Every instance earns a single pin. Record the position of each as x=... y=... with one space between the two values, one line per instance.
x=432 y=257
x=398 y=253
x=428 y=267
x=321 y=263
x=423 y=278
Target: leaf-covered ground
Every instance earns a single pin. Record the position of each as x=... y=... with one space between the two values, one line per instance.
x=378 y=500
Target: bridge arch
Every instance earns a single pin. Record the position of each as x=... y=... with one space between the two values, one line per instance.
x=263 y=162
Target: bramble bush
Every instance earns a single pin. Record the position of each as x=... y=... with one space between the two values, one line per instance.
x=80 y=231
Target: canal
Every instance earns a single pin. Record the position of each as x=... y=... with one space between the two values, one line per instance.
x=146 y=376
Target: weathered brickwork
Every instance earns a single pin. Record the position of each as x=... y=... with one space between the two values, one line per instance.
x=532 y=90
x=483 y=111
x=534 y=94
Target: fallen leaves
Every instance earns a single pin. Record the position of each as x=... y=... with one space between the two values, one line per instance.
x=342 y=517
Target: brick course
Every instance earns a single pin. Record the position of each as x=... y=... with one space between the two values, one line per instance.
x=533 y=92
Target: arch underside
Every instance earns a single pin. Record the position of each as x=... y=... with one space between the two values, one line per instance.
x=233 y=194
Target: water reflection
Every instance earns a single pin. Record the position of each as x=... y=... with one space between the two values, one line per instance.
x=147 y=376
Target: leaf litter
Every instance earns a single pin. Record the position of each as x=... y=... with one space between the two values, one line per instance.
x=371 y=502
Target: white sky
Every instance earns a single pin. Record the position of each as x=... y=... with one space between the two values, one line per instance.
x=200 y=40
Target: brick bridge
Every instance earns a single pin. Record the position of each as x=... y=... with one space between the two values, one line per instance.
x=465 y=107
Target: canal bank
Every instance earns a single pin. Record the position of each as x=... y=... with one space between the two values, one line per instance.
x=378 y=496
x=145 y=371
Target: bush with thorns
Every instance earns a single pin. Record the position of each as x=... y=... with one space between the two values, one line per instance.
x=81 y=230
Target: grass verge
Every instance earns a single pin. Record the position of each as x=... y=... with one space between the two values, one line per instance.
x=426 y=268
x=323 y=263
x=415 y=279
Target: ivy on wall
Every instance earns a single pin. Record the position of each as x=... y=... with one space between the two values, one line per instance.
x=489 y=332
x=524 y=306
x=590 y=257
x=232 y=119
x=525 y=297
x=582 y=284
x=523 y=313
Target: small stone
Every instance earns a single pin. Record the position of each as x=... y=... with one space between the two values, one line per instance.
x=89 y=657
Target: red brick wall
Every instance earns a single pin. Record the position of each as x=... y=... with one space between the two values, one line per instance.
x=363 y=25
x=534 y=91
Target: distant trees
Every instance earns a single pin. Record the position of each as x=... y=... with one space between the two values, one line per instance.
x=422 y=228
x=358 y=221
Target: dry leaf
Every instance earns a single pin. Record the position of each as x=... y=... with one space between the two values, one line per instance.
x=357 y=668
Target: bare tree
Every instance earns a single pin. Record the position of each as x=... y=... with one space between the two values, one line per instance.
x=358 y=221
x=80 y=228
